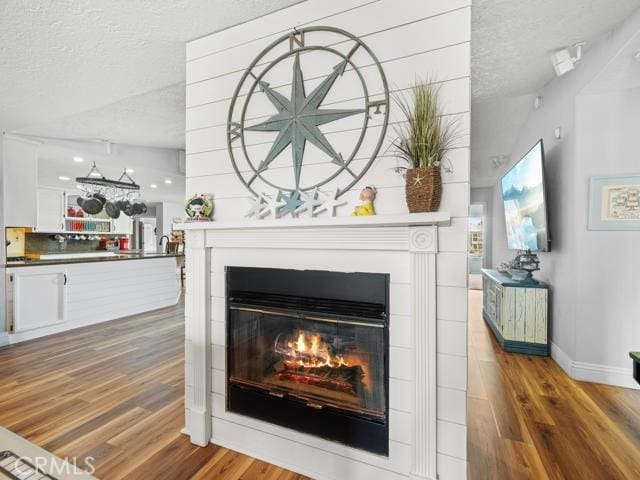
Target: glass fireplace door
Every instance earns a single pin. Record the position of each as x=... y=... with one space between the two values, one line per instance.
x=323 y=362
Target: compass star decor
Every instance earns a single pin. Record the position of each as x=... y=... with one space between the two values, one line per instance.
x=290 y=139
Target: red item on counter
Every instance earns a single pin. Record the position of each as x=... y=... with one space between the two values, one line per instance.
x=124 y=243
x=71 y=212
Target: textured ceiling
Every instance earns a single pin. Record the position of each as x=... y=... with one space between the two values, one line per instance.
x=511 y=40
x=61 y=59
x=153 y=119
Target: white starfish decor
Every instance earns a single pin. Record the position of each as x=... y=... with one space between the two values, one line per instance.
x=330 y=203
x=272 y=206
x=257 y=204
x=310 y=201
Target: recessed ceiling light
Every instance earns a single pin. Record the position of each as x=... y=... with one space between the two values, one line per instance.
x=78 y=159
x=62 y=177
x=130 y=170
x=168 y=181
x=153 y=185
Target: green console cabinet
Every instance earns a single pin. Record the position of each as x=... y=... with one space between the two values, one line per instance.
x=517 y=312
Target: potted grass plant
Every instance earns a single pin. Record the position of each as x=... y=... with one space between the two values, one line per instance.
x=422 y=141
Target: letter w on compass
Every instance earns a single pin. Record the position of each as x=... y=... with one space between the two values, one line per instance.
x=299 y=117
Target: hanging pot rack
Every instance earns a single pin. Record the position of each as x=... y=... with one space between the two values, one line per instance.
x=95 y=178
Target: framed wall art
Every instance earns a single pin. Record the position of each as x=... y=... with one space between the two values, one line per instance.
x=614 y=202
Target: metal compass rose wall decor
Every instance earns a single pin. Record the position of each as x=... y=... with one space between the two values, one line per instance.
x=308 y=116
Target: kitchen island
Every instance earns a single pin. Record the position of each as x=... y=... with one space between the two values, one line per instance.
x=53 y=295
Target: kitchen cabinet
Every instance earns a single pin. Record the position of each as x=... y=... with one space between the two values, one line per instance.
x=49 y=285
x=122 y=225
x=20 y=171
x=51 y=210
x=49 y=299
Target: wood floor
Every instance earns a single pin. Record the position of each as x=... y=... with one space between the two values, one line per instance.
x=527 y=419
x=115 y=392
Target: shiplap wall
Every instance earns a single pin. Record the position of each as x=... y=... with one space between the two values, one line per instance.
x=412 y=39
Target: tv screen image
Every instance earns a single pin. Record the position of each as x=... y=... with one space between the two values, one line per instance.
x=524 y=200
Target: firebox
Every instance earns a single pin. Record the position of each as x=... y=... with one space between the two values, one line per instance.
x=309 y=350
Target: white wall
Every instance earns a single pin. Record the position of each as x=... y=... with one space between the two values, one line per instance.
x=592 y=274
x=419 y=39
x=607 y=307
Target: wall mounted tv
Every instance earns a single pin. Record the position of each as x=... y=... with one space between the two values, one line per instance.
x=525 y=203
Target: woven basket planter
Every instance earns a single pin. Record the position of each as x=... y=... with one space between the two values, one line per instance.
x=423 y=189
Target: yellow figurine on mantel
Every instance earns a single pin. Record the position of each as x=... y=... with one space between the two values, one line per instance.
x=367 y=196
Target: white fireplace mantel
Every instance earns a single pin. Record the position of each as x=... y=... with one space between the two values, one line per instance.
x=404 y=246
x=406 y=220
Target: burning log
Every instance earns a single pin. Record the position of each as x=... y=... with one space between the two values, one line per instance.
x=343 y=378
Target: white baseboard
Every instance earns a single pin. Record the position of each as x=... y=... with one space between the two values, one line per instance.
x=4 y=339
x=562 y=359
x=593 y=372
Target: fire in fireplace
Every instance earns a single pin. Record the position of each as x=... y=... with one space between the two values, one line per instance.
x=309 y=350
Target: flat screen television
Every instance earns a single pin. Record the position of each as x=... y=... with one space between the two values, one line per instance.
x=525 y=203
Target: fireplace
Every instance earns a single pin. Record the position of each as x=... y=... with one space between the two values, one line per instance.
x=308 y=350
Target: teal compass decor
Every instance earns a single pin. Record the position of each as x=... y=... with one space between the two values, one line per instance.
x=327 y=103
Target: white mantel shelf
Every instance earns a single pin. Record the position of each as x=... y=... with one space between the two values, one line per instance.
x=404 y=220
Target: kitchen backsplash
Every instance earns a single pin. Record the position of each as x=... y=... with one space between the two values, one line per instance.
x=46 y=243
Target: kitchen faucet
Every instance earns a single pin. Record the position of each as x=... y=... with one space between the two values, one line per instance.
x=166 y=248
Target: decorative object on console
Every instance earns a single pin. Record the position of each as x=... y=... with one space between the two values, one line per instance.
x=422 y=143
x=200 y=208
x=298 y=119
x=614 y=202
x=529 y=262
x=366 y=208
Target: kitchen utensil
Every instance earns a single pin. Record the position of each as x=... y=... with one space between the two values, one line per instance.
x=92 y=205
x=112 y=210
x=128 y=209
x=137 y=208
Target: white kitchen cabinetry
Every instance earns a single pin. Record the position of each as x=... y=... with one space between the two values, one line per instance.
x=123 y=225
x=50 y=299
x=51 y=210
x=39 y=297
x=20 y=158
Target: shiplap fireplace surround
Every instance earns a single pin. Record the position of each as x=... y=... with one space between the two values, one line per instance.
x=403 y=246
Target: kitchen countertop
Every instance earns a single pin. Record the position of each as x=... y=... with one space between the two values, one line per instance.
x=119 y=256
